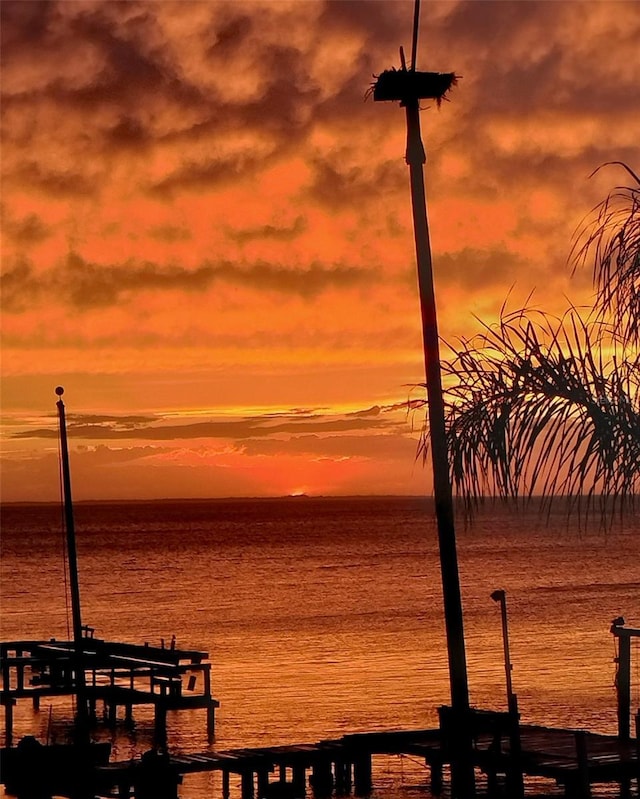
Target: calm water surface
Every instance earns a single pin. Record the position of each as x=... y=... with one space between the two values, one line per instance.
x=324 y=616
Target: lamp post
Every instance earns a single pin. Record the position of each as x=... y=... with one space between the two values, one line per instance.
x=500 y=596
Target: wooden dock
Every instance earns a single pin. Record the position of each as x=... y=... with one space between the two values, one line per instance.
x=119 y=675
x=573 y=759
x=124 y=675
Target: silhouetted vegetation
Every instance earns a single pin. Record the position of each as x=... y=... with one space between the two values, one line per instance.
x=541 y=405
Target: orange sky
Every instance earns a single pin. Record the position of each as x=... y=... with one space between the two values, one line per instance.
x=207 y=235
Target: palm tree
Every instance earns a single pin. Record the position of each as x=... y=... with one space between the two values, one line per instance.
x=613 y=242
x=551 y=405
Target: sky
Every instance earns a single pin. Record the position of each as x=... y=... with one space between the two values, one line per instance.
x=207 y=234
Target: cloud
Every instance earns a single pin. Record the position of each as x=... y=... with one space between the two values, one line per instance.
x=93 y=427
x=170 y=233
x=56 y=183
x=26 y=231
x=488 y=267
x=336 y=186
x=272 y=232
x=86 y=285
x=232 y=204
x=374 y=447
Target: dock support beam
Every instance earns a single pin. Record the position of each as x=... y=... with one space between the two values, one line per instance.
x=299 y=779
x=435 y=777
x=623 y=684
x=515 y=780
x=322 y=778
x=362 y=777
x=247 y=784
x=160 y=724
x=263 y=784
x=583 y=785
x=8 y=721
x=342 y=772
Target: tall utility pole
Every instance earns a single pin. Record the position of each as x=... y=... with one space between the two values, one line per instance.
x=408 y=87
x=82 y=715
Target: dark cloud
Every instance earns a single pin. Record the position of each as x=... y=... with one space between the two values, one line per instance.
x=170 y=233
x=238 y=429
x=26 y=231
x=514 y=56
x=270 y=232
x=378 y=446
x=24 y=24
x=57 y=183
x=85 y=285
x=20 y=287
x=337 y=187
x=207 y=175
x=485 y=267
x=227 y=37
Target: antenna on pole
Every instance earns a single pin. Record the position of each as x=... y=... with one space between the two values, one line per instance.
x=414 y=40
x=409 y=87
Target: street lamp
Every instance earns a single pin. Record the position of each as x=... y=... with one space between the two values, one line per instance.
x=500 y=596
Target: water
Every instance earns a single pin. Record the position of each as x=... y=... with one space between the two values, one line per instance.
x=324 y=616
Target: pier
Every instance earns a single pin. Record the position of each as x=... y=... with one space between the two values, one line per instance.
x=120 y=676
x=574 y=759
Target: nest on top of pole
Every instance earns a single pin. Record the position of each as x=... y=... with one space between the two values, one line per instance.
x=405 y=85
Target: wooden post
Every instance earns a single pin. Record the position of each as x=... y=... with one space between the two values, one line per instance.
x=515 y=780
x=362 y=778
x=8 y=720
x=160 y=723
x=342 y=782
x=263 y=784
x=623 y=687
x=321 y=778
x=211 y=720
x=299 y=779
x=638 y=748
x=583 y=786
x=435 y=777
x=247 y=784
x=211 y=707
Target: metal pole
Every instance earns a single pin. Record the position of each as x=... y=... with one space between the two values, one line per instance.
x=501 y=597
x=82 y=725
x=462 y=771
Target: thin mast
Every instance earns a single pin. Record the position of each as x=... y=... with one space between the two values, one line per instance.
x=82 y=727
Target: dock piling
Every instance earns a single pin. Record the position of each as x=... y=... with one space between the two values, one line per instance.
x=299 y=780
x=247 y=788
x=321 y=778
x=263 y=783
x=362 y=774
x=583 y=784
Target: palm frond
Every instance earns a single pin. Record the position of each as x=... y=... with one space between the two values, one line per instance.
x=535 y=408
x=610 y=238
